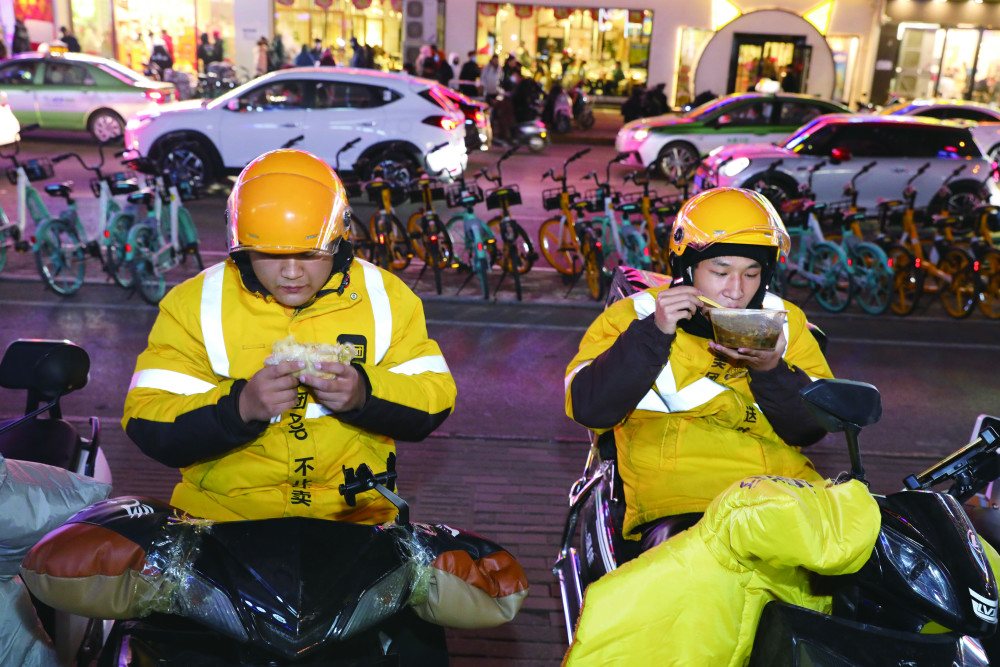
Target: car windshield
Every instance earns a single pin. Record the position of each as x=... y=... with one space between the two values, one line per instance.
x=121 y=72
x=710 y=107
x=800 y=135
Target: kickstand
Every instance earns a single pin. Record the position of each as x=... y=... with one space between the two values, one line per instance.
x=419 y=276
x=574 y=278
x=497 y=288
x=465 y=282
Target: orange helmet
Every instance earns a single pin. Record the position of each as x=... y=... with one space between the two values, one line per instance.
x=287 y=201
x=729 y=216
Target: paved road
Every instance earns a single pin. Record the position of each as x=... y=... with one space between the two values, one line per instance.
x=502 y=464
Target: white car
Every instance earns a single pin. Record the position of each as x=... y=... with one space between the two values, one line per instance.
x=395 y=117
x=10 y=129
x=77 y=91
x=984 y=120
x=838 y=147
x=677 y=143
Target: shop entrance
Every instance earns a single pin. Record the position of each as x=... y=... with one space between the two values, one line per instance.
x=783 y=59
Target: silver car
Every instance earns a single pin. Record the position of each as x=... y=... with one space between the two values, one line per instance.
x=843 y=145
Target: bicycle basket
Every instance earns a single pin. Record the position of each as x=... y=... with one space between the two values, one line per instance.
x=551 y=198
x=462 y=194
x=397 y=195
x=36 y=169
x=636 y=197
x=510 y=192
x=417 y=193
x=595 y=199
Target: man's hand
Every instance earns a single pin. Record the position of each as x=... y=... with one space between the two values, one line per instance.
x=675 y=304
x=271 y=391
x=758 y=360
x=342 y=393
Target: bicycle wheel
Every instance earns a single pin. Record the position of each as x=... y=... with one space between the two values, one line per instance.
x=560 y=250
x=958 y=296
x=379 y=227
x=114 y=251
x=150 y=285
x=400 y=248
x=636 y=249
x=481 y=266
x=833 y=286
x=907 y=280
x=59 y=256
x=593 y=266
x=361 y=240
x=989 y=279
x=392 y=243
x=872 y=276
x=526 y=254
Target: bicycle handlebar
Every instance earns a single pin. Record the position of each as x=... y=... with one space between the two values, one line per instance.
x=576 y=156
x=294 y=140
x=343 y=148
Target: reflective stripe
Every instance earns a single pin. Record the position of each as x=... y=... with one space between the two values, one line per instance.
x=644 y=304
x=572 y=373
x=432 y=364
x=665 y=397
x=211 y=319
x=172 y=381
x=381 y=313
x=315 y=411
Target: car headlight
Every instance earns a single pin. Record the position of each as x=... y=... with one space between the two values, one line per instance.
x=923 y=573
x=734 y=166
x=640 y=134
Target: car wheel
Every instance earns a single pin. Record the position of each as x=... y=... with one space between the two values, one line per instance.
x=994 y=153
x=105 y=125
x=187 y=160
x=959 y=201
x=677 y=160
x=397 y=168
x=778 y=188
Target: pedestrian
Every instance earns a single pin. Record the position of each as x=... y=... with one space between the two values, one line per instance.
x=223 y=390
x=168 y=41
x=326 y=59
x=67 y=38
x=317 y=49
x=469 y=76
x=217 y=47
x=656 y=101
x=689 y=416
x=159 y=60
x=21 y=42
x=445 y=73
x=490 y=79
x=205 y=53
x=304 y=58
x=358 y=55
x=261 y=57
x=631 y=108
x=277 y=54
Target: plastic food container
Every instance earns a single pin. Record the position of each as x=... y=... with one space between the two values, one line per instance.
x=752 y=329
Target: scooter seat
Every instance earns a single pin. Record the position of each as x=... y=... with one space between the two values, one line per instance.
x=53 y=442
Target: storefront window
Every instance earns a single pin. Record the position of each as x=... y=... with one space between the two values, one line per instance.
x=845 y=51
x=375 y=23
x=92 y=27
x=986 y=87
x=693 y=40
x=919 y=56
x=956 y=63
x=606 y=48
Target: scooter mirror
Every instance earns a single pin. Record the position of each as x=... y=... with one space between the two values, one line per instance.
x=841 y=404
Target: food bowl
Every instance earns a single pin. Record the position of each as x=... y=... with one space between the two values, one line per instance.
x=748 y=328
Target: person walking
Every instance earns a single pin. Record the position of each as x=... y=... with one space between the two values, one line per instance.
x=67 y=38
x=469 y=76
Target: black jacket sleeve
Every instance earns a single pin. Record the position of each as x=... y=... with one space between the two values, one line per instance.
x=204 y=433
x=777 y=393
x=399 y=422
x=607 y=389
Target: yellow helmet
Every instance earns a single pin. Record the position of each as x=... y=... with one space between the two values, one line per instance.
x=726 y=216
x=287 y=201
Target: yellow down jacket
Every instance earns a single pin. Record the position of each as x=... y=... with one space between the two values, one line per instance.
x=699 y=428
x=695 y=599
x=212 y=333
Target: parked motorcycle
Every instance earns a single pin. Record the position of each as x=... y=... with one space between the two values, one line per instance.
x=531 y=133
x=48 y=370
x=927 y=568
x=280 y=591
